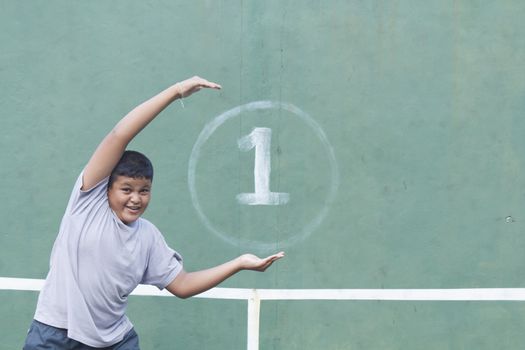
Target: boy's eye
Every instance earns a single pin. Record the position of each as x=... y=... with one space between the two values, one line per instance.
x=126 y=190
x=145 y=191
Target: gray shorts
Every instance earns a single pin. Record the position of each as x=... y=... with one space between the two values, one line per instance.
x=43 y=336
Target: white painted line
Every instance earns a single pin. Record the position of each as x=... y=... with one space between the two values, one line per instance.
x=21 y=283
x=30 y=284
x=150 y=291
x=466 y=294
x=480 y=294
x=227 y=293
x=254 y=311
x=215 y=293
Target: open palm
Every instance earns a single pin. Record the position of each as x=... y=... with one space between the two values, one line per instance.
x=253 y=262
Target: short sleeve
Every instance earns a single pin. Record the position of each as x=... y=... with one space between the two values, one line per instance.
x=164 y=264
x=81 y=200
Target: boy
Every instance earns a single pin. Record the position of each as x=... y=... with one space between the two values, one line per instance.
x=104 y=249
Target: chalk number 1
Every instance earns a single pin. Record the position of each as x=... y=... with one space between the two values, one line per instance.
x=261 y=139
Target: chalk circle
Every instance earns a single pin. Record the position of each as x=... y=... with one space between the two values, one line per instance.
x=210 y=128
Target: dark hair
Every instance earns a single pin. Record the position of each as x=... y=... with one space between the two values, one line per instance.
x=132 y=164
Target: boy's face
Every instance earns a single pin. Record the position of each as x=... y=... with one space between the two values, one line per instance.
x=129 y=197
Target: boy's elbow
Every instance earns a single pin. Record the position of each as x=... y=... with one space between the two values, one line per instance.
x=183 y=295
x=176 y=287
x=179 y=294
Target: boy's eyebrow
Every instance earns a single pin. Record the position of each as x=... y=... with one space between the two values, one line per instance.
x=130 y=185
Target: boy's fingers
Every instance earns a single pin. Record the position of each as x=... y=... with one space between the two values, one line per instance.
x=206 y=83
x=211 y=85
x=269 y=260
x=195 y=84
x=277 y=256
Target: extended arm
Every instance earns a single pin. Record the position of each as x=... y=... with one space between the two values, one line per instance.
x=109 y=151
x=188 y=284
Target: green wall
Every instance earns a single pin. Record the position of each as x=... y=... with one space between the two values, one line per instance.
x=404 y=160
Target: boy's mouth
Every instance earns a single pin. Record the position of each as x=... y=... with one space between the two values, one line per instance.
x=133 y=208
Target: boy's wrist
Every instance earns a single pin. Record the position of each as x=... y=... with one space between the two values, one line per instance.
x=177 y=91
x=239 y=263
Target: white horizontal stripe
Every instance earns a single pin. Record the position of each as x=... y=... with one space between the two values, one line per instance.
x=480 y=294
x=20 y=283
x=10 y=283
x=215 y=293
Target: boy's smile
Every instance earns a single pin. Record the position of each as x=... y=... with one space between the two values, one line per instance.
x=129 y=197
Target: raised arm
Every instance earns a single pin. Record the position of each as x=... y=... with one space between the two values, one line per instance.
x=188 y=284
x=109 y=151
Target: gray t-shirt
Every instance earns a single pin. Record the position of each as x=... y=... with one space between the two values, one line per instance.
x=96 y=262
